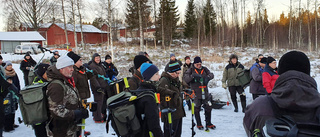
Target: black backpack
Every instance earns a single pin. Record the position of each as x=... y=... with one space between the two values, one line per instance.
x=285 y=126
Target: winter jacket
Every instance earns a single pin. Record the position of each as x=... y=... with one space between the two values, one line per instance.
x=256 y=86
x=95 y=81
x=135 y=80
x=15 y=79
x=171 y=87
x=27 y=63
x=62 y=100
x=147 y=107
x=81 y=78
x=185 y=68
x=53 y=61
x=296 y=95
x=230 y=74
x=11 y=100
x=167 y=66
x=195 y=84
x=269 y=77
x=111 y=70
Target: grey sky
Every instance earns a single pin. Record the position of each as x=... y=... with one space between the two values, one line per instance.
x=274 y=8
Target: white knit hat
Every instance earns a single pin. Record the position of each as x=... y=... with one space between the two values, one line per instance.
x=64 y=61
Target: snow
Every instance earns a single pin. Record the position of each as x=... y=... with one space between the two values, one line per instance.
x=21 y=36
x=228 y=122
x=85 y=28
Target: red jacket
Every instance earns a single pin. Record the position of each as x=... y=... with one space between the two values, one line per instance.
x=269 y=78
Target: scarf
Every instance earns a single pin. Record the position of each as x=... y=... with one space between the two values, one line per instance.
x=10 y=73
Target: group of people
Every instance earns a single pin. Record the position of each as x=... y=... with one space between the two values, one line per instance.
x=289 y=86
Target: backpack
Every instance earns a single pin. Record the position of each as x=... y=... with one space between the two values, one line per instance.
x=33 y=103
x=244 y=78
x=286 y=126
x=122 y=111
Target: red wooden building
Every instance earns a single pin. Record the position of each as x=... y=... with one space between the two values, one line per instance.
x=54 y=33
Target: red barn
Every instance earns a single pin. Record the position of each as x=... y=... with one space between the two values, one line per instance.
x=91 y=34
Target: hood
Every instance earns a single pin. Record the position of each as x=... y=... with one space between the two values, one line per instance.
x=93 y=56
x=53 y=73
x=167 y=75
x=296 y=91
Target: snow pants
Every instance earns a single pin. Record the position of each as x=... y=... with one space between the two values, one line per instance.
x=207 y=111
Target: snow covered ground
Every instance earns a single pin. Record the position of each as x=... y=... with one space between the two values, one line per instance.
x=228 y=122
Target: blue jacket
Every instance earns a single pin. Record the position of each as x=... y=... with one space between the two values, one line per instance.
x=256 y=86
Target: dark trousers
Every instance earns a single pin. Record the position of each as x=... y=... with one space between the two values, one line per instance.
x=8 y=122
x=98 y=97
x=176 y=127
x=25 y=77
x=40 y=130
x=207 y=111
x=233 y=91
x=1 y=115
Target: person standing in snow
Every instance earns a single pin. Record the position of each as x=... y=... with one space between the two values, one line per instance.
x=146 y=107
x=137 y=78
x=98 y=87
x=169 y=85
x=198 y=77
x=270 y=75
x=295 y=94
x=63 y=98
x=172 y=58
x=4 y=85
x=230 y=80
x=186 y=66
x=256 y=87
x=10 y=106
x=260 y=56
x=111 y=70
x=25 y=67
x=53 y=59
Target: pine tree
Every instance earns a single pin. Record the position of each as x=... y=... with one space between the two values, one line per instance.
x=210 y=17
x=190 y=22
x=169 y=13
x=132 y=16
x=97 y=22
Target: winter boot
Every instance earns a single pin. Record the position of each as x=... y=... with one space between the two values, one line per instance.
x=211 y=126
x=243 y=102
x=200 y=127
x=235 y=104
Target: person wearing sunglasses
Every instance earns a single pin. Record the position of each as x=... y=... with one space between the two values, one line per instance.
x=198 y=77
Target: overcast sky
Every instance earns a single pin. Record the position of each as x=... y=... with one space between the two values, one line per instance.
x=274 y=8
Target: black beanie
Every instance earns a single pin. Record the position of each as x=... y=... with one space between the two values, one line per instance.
x=260 y=55
x=270 y=59
x=263 y=60
x=187 y=57
x=41 y=69
x=196 y=60
x=107 y=57
x=294 y=60
x=174 y=66
x=73 y=56
x=1 y=57
x=138 y=60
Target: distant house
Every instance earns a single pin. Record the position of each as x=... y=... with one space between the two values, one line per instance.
x=9 y=40
x=55 y=35
x=123 y=31
x=91 y=34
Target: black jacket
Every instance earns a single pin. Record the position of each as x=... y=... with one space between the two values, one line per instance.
x=111 y=70
x=27 y=63
x=294 y=92
x=147 y=106
x=167 y=66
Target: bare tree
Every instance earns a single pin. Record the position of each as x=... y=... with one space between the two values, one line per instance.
x=309 y=27
x=32 y=12
x=316 y=25
x=140 y=25
x=64 y=22
x=79 y=3
x=290 y=24
x=72 y=3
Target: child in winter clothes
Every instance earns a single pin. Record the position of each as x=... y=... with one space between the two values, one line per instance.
x=10 y=106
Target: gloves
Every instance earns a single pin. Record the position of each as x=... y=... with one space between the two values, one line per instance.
x=206 y=80
x=194 y=75
x=224 y=85
x=100 y=90
x=81 y=114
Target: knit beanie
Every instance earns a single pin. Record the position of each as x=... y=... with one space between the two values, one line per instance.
x=270 y=59
x=174 y=66
x=63 y=62
x=263 y=60
x=148 y=70
x=294 y=60
x=139 y=60
x=187 y=57
x=172 y=54
x=8 y=63
x=107 y=57
x=41 y=69
x=196 y=60
x=73 y=56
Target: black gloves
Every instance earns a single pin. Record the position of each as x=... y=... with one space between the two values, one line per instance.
x=206 y=80
x=81 y=114
x=196 y=77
